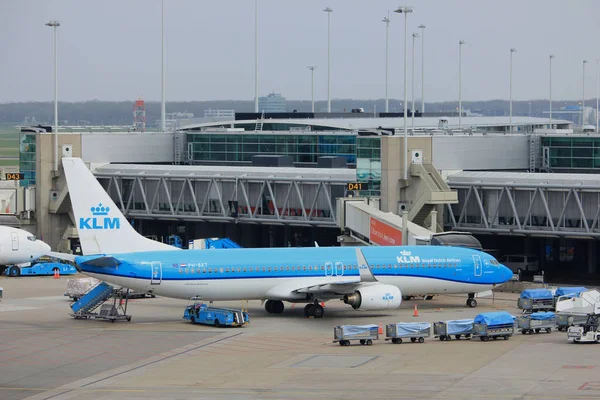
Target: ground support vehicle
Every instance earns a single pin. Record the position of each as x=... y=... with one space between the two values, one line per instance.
x=532 y=300
x=493 y=325
x=589 y=332
x=536 y=322
x=200 y=313
x=41 y=269
x=415 y=331
x=365 y=334
x=99 y=296
x=444 y=330
x=564 y=321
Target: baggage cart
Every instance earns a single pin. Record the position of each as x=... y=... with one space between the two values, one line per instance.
x=365 y=334
x=444 y=330
x=564 y=321
x=415 y=331
x=540 y=321
x=493 y=325
x=533 y=300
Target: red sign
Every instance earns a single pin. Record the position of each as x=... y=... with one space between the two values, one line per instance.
x=384 y=234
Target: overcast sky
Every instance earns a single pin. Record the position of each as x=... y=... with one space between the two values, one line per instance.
x=110 y=49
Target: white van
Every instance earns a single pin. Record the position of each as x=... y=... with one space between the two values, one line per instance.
x=520 y=263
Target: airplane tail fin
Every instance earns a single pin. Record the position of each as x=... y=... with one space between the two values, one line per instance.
x=102 y=228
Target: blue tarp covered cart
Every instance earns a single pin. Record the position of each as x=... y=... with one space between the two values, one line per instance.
x=536 y=300
x=537 y=322
x=457 y=328
x=494 y=325
x=569 y=291
x=416 y=331
x=364 y=333
x=563 y=321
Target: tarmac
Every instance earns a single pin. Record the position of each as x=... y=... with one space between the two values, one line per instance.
x=47 y=354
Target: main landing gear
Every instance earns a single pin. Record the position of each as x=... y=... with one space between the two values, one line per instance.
x=471 y=302
x=274 y=306
x=314 y=310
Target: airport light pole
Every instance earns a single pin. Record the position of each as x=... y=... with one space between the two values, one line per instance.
x=510 y=128
x=406 y=11
x=583 y=95
x=460 y=45
x=328 y=10
x=312 y=85
x=551 y=57
x=422 y=27
x=256 y=56
x=412 y=111
x=597 y=89
x=163 y=108
x=54 y=25
x=386 y=20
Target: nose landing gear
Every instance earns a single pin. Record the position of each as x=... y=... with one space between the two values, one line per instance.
x=471 y=302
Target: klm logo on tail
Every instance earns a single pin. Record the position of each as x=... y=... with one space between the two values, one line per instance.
x=100 y=219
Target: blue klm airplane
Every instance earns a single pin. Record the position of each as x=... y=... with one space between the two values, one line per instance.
x=366 y=278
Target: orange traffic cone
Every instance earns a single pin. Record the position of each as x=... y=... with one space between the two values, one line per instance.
x=323 y=304
x=380 y=331
x=416 y=312
x=56 y=274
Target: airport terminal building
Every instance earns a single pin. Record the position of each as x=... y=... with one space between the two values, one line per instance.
x=277 y=180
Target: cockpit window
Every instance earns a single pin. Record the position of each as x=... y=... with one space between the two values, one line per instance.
x=31 y=238
x=493 y=261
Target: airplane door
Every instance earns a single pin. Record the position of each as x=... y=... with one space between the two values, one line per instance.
x=15 y=241
x=477 y=264
x=156 y=273
x=328 y=269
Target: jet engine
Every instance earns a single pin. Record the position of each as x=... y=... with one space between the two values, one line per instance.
x=376 y=297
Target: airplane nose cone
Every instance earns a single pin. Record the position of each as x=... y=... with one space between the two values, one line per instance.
x=505 y=273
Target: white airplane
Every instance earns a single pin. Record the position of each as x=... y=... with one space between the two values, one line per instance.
x=366 y=278
x=19 y=247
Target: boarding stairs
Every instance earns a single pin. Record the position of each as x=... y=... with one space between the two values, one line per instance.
x=586 y=303
x=97 y=296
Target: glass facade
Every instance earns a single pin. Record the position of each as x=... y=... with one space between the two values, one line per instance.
x=27 y=155
x=368 y=164
x=240 y=147
x=572 y=152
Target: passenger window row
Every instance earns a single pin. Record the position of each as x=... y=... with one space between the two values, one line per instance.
x=303 y=268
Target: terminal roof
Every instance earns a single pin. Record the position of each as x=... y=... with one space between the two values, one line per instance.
x=196 y=171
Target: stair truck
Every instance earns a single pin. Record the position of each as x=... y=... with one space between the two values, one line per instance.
x=538 y=321
x=365 y=334
x=493 y=325
x=415 y=331
x=86 y=305
x=444 y=330
x=588 y=332
x=200 y=313
x=532 y=300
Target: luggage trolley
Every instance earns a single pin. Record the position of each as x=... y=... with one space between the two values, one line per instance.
x=444 y=330
x=533 y=300
x=536 y=322
x=365 y=334
x=415 y=331
x=493 y=325
x=564 y=321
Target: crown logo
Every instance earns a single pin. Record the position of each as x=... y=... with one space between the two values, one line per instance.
x=405 y=253
x=100 y=210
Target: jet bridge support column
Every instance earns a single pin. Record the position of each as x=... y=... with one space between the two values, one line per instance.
x=592 y=257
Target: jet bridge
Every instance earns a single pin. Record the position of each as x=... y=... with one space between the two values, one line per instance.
x=362 y=223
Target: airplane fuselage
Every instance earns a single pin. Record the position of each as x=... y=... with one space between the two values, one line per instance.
x=276 y=273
